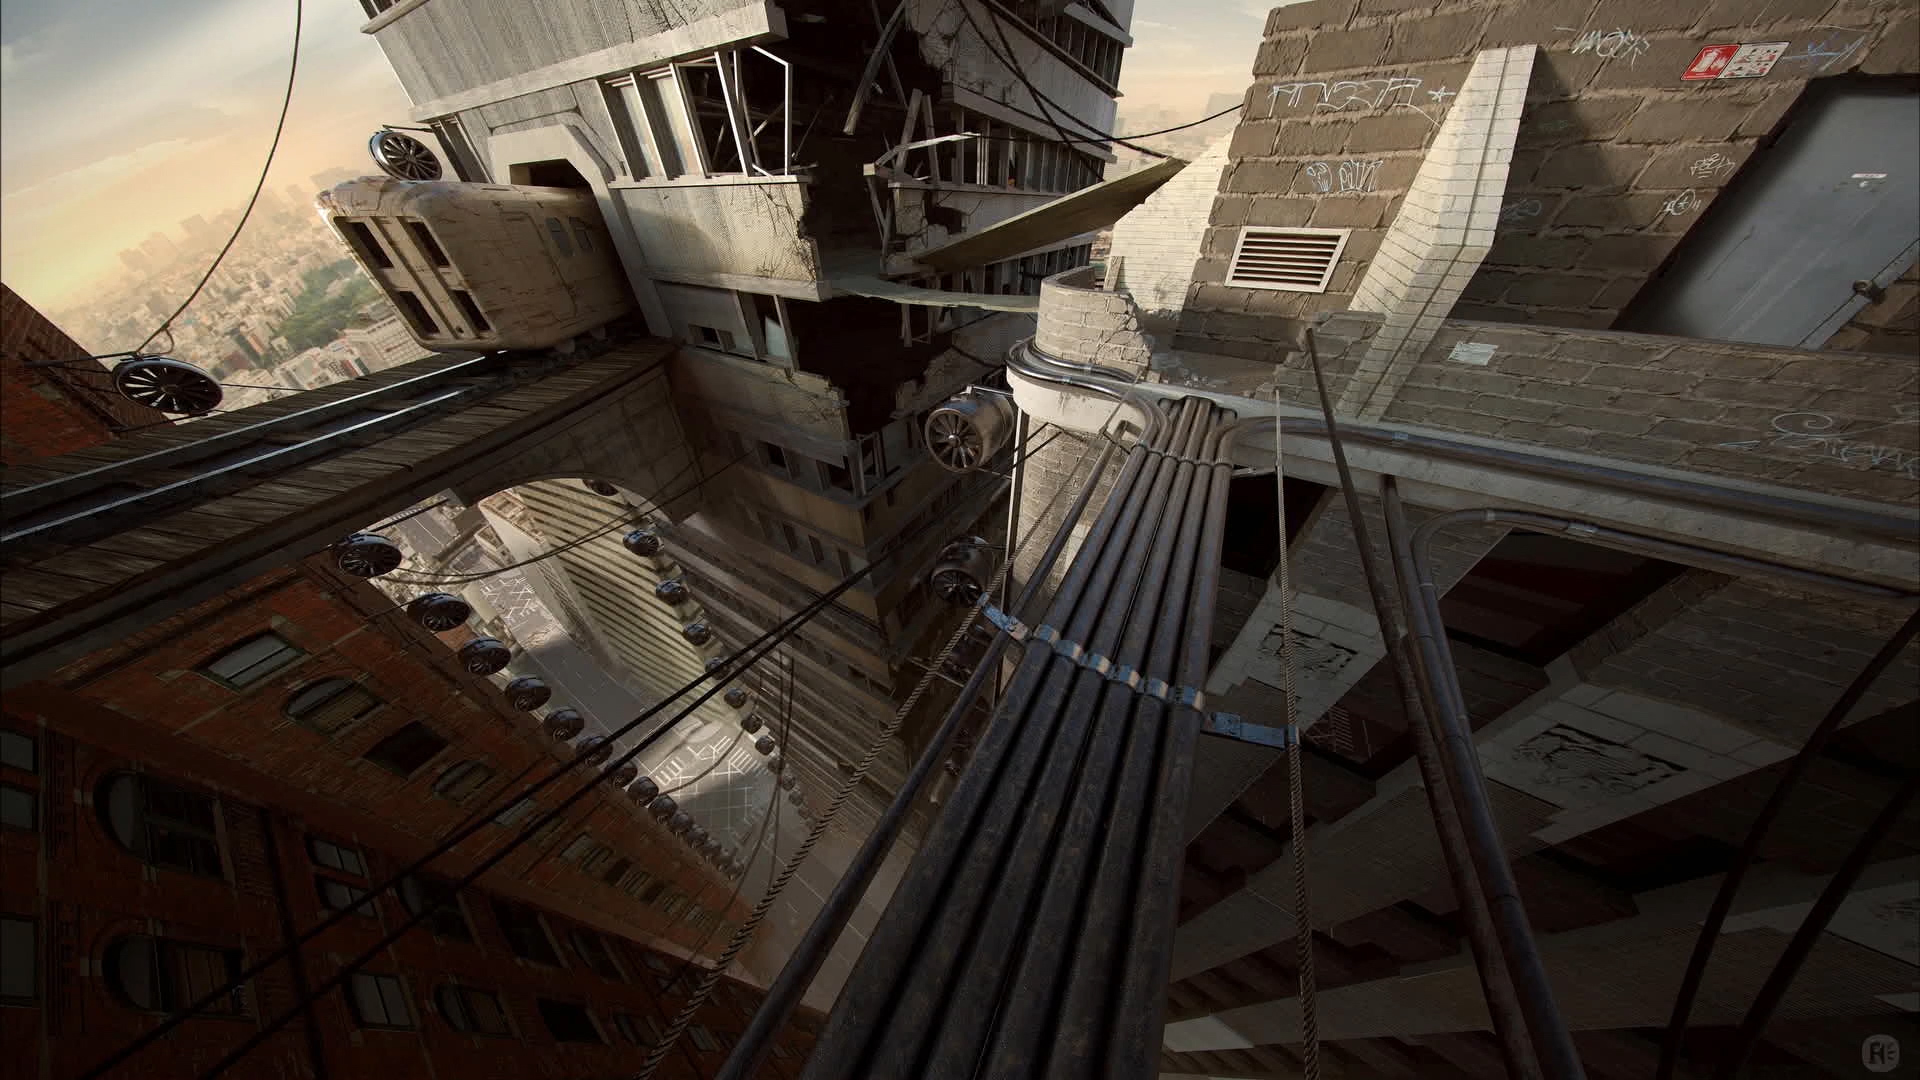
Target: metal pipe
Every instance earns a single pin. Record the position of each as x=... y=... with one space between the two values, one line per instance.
x=1098 y=1027
x=1488 y=852
x=1503 y=1006
x=881 y=51
x=1831 y=897
x=803 y=964
x=1815 y=745
x=1059 y=824
x=1690 y=492
x=864 y=1002
x=1013 y=504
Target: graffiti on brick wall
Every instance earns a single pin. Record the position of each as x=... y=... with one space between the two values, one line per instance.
x=1582 y=763
x=1835 y=47
x=1682 y=204
x=1820 y=435
x=1520 y=212
x=1615 y=44
x=1405 y=93
x=1343 y=177
x=1711 y=167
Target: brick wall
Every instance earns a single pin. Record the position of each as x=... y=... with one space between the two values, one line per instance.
x=1155 y=245
x=85 y=893
x=1086 y=325
x=1821 y=421
x=53 y=410
x=1347 y=95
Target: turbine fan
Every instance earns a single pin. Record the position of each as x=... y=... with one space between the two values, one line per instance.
x=169 y=385
x=402 y=156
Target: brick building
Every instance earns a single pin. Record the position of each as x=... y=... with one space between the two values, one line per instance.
x=1668 y=516
x=53 y=408
x=178 y=806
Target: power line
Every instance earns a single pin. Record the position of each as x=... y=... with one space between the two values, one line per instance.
x=1117 y=138
x=735 y=667
x=280 y=126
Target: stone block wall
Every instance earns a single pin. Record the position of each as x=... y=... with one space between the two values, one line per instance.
x=1836 y=423
x=1156 y=244
x=1083 y=324
x=1618 y=156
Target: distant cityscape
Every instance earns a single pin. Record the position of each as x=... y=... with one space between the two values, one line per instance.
x=288 y=308
x=1188 y=143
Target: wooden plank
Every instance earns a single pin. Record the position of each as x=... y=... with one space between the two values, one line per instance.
x=169 y=546
x=251 y=512
x=97 y=566
x=44 y=591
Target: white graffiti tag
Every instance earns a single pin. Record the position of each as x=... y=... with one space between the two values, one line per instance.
x=1684 y=203
x=1343 y=178
x=1814 y=432
x=1615 y=44
x=1357 y=95
x=1711 y=166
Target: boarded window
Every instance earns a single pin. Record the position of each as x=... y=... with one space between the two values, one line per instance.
x=330 y=705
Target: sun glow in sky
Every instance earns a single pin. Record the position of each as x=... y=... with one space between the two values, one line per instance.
x=119 y=119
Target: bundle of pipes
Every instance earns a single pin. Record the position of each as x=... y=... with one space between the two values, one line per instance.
x=1031 y=934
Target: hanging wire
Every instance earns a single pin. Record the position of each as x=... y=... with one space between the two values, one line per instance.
x=279 y=127
x=1296 y=797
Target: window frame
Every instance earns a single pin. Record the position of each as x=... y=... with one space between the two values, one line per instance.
x=541 y=1006
x=168 y=956
x=445 y=909
x=341 y=688
x=412 y=729
x=455 y=776
x=287 y=656
x=514 y=919
x=315 y=843
x=611 y=969
x=141 y=844
x=383 y=981
x=36 y=992
x=362 y=904
x=460 y=994
x=8 y=735
x=32 y=798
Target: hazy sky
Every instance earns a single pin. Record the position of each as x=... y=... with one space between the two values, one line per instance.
x=118 y=118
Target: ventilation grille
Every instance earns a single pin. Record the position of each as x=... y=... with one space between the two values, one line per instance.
x=1293 y=260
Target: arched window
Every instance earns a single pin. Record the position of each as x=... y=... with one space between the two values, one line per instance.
x=330 y=706
x=163 y=825
x=161 y=975
x=462 y=780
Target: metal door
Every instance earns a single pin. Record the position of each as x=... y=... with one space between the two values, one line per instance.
x=1834 y=202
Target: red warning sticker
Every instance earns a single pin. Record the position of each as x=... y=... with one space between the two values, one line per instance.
x=1710 y=62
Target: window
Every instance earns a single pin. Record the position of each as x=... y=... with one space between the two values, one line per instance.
x=375 y=7
x=380 y=1001
x=776 y=457
x=161 y=975
x=416 y=313
x=336 y=857
x=629 y=1029
x=559 y=234
x=568 y=1022
x=819 y=553
x=441 y=903
x=19 y=751
x=593 y=951
x=330 y=706
x=526 y=934
x=365 y=244
x=404 y=751
x=466 y=1008
x=582 y=235
x=251 y=661
x=19 y=807
x=1289 y=260
x=423 y=237
x=340 y=896
x=703 y=1039
x=476 y=322
x=617 y=871
x=163 y=825
x=792 y=538
x=838 y=476
x=19 y=959
x=514 y=814
x=461 y=781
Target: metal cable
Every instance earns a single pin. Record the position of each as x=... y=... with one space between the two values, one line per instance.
x=1296 y=799
x=744 y=934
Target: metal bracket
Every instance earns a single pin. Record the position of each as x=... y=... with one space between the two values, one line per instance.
x=1231 y=726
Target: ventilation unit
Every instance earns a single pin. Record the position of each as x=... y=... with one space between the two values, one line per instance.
x=1291 y=260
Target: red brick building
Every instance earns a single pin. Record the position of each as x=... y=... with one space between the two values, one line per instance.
x=53 y=409
x=182 y=804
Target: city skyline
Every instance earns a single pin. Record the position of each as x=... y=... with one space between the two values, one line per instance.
x=117 y=129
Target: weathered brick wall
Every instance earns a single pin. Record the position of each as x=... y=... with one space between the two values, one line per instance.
x=1888 y=325
x=1155 y=244
x=53 y=410
x=1821 y=421
x=1348 y=93
x=1087 y=325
